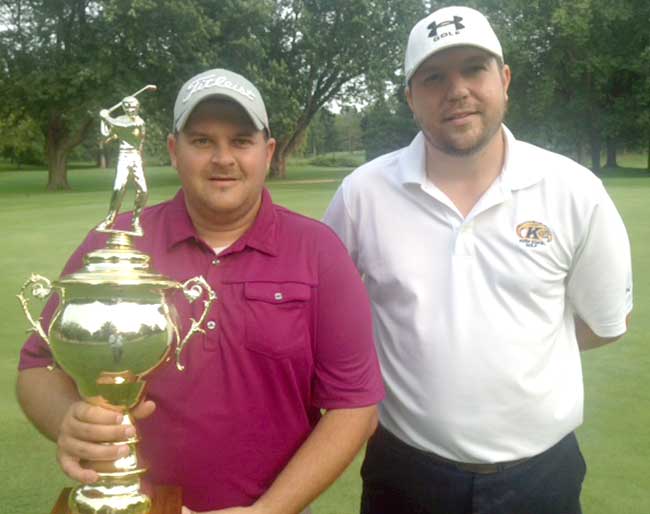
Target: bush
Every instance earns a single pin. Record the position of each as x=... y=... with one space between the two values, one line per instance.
x=337 y=161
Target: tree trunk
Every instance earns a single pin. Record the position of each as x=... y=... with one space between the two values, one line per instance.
x=580 y=152
x=279 y=164
x=59 y=143
x=611 y=153
x=102 y=161
x=595 y=149
x=593 y=119
x=57 y=171
x=595 y=155
x=285 y=148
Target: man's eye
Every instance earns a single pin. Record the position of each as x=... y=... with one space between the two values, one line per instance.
x=243 y=142
x=475 y=70
x=201 y=141
x=433 y=77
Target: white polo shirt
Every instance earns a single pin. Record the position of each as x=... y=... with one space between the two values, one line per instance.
x=474 y=316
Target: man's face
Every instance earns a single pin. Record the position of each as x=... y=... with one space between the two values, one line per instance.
x=222 y=161
x=459 y=97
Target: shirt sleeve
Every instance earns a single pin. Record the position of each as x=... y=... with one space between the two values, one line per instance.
x=600 y=279
x=35 y=352
x=338 y=218
x=347 y=371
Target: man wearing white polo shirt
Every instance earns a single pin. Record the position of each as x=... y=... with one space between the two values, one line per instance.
x=490 y=264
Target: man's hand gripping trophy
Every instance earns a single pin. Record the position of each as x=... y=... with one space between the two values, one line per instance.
x=129 y=128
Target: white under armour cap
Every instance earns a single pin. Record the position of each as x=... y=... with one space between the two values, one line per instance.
x=220 y=83
x=445 y=28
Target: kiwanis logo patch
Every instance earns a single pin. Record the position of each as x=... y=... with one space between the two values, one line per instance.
x=533 y=233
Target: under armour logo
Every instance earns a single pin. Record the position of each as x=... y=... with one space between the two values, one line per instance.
x=435 y=26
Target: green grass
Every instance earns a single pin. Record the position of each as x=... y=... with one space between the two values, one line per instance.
x=41 y=229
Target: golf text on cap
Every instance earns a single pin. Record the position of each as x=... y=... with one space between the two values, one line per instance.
x=216 y=81
x=456 y=22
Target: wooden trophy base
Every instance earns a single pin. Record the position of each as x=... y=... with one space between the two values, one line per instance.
x=164 y=500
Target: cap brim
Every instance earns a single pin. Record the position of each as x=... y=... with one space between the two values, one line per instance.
x=179 y=124
x=445 y=47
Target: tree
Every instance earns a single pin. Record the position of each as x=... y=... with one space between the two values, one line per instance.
x=315 y=48
x=575 y=70
x=63 y=59
x=642 y=94
x=47 y=77
x=387 y=125
x=321 y=136
x=21 y=141
x=348 y=130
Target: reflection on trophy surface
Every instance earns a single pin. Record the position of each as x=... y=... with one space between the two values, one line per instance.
x=115 y=324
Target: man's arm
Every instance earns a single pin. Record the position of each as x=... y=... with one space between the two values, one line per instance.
x=599 y=287
x=588 y=340
x=51 y=402
x=45 y=396
x=335 y=441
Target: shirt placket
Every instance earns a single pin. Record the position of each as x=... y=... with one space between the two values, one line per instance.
x=213 y=275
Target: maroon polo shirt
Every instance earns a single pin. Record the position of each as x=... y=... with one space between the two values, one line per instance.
x=290 y=334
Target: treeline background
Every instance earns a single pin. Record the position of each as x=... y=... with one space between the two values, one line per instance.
x=330 y=71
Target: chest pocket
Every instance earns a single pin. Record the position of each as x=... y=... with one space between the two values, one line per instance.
x=277 y=317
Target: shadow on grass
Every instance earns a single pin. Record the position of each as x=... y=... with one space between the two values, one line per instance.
x=81 y=180
x=624 y=172
x=84 y=179
x=32 y=180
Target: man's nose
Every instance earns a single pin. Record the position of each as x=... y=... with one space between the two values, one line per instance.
x=222 y=155
x=458 y=88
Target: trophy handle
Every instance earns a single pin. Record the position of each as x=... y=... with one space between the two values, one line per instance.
x=193 y=289
x=41 y=289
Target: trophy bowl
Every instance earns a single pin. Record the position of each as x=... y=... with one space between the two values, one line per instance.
x=114 y=324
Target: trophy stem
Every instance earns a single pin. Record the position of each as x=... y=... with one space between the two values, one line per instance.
x=120 y=240
x=124 y=466
x=118 y=487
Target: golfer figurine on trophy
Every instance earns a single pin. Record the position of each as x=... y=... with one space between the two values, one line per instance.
x=129 y=128
x=115 y=323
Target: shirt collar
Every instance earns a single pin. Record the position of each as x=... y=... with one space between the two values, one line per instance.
x=262 y=234
x=412 y=162
x=518 y=171
x=179 y=224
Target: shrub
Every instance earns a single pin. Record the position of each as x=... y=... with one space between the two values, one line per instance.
x=337 y=161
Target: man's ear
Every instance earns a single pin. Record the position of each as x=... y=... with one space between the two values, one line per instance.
x=506 y=76
x=407 y=93
x=270 y=150
x=171 y=148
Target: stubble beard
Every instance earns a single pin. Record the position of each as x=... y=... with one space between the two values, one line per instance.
x=447 y=146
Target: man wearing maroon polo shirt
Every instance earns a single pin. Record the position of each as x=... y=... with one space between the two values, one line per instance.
x=241 y=430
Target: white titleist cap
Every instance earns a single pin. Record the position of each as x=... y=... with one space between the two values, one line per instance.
x=219 y=83
x=447 y=27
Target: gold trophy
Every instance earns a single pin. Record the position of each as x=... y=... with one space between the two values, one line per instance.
x=115 y=324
